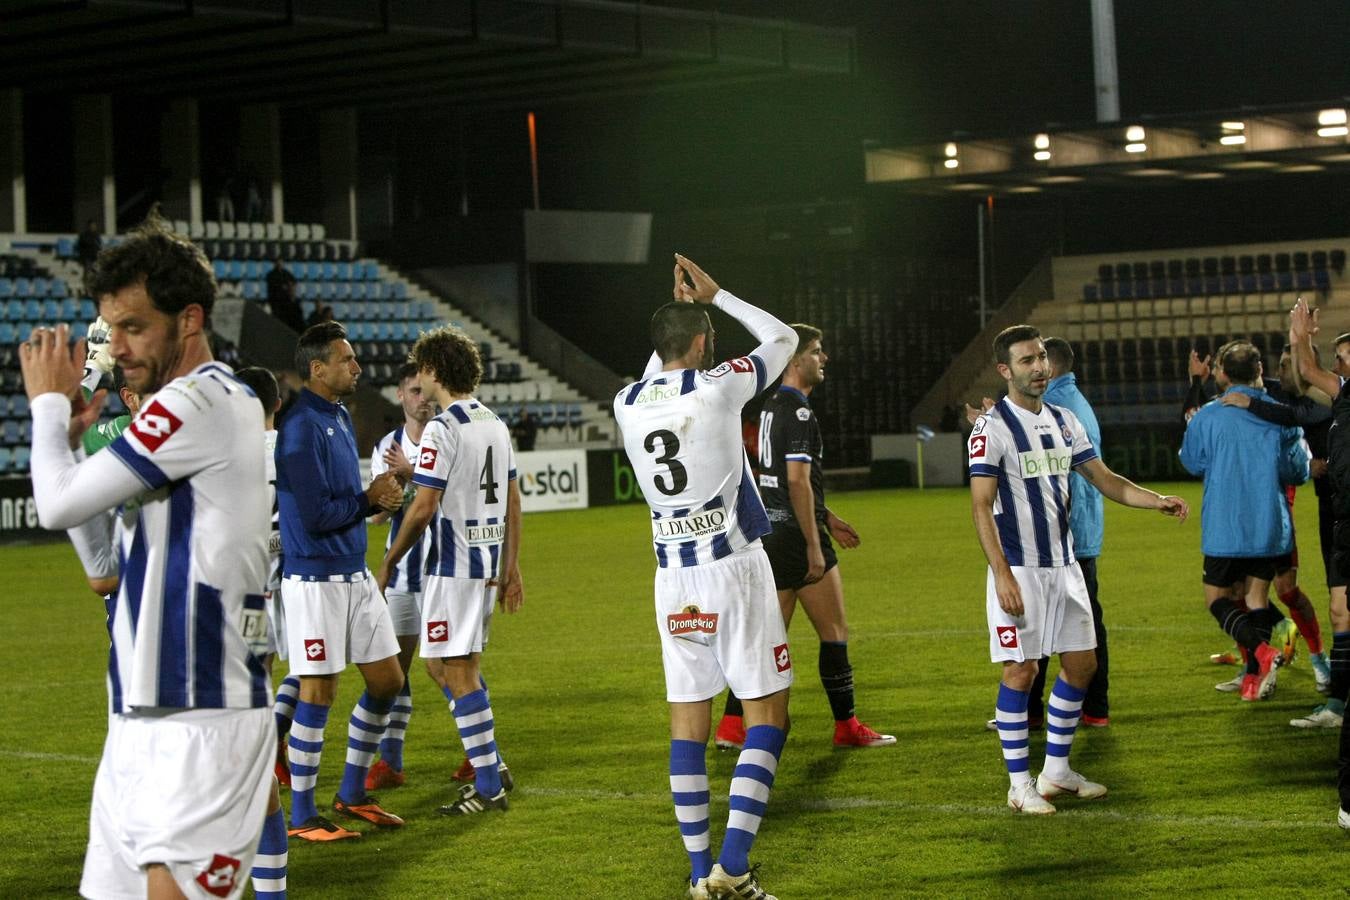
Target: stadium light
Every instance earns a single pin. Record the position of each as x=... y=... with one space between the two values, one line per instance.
x=1042 y=144
x=1332 y=123
x=951 y=162
x=1234 y=134
x=1135 y=137
x=1233 y=140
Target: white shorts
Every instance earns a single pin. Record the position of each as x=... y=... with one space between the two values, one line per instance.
x=276 y=625
x=332 y=623
x=456 y=615
x=405 y=609
x=188 y=790
x=1056 y=615
x=721 y=626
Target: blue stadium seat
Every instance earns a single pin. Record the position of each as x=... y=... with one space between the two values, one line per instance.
x=88 y=309
x=6 y=461
x=7 y=287
x=9 y=431
x=342 y=271
x=307 y=308
x=51 y=310
x=18 y=405
x=32 y=311
x=221 y=269
x=375 y=290
x=358 y=290
x=12 y=310
x=59 y=289
x=6 y=333
x=65 y=248
x=341 y=310
x=22 y=455
x=400 y=290
x=23 y=287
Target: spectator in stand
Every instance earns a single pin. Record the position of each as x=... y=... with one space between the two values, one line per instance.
x=525 y=431
x=281 y=296
x=88 y=245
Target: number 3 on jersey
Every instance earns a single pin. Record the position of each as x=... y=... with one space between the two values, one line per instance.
x=670 y=448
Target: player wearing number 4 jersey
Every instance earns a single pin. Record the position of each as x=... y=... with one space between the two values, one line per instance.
x=1021 y=453
x=465 y=475
x=716 y=610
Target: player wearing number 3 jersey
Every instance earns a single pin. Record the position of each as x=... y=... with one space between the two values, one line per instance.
x=716 y=609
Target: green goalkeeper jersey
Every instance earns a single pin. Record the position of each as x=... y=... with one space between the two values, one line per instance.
x=104 y=433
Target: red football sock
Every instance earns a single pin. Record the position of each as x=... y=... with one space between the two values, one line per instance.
x=1301 y=611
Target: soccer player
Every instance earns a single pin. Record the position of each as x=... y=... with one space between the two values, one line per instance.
x=1245 y=462
x=466 y=484
x=805 y=568
x=1290 y=407
x=1021 y=453
x=716 y=612
x=334 y=612
x=269 y=866
x=1303 y=328
x=393 y=453
x=181 y=791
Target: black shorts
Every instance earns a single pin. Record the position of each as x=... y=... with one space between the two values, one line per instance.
x=1226 y=571
x=786 y=548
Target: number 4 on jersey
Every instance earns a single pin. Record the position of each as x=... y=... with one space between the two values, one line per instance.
x=486 y=483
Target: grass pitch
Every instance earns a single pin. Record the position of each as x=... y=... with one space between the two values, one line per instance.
x=1208 y=794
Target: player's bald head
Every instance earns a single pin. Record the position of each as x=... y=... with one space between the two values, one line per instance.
x=674 y=327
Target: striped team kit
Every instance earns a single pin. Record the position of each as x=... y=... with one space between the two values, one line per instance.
x=182 y=781
x=404 y=590
x=1031 y=455
x=466 y=455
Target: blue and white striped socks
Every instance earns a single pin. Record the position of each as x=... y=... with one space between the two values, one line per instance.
x=750 y=786
x=689 y=788
x=1061 y=721
x=303 y=752
x=1010 y=712
x=473 y=718
x=364 y=729
x=391 y=746
x=283 y=710
x=269 y=866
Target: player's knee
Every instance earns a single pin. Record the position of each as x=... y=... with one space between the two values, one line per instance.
x=1020 y=675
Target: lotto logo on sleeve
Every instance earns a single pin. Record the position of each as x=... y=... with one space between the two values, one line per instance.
x=218 y=878
x=977 y=445
x=781 y=659
x=438 y=632
x=426 y=458
x=1007 y=636
x=743 y=364
x=314 y=650
x=155 y=425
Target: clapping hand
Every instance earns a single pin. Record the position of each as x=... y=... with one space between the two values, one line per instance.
x=692 y=284
x=386 y=492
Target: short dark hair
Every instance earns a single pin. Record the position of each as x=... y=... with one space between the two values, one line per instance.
x=1343 y=339
x=264 y=384
x=173 y=270
x=452 y=356
x=674 y=327
x=1060 y=353
x=1240 y=362
x=805 y=335
x=1014 y=334
x=315 y=343
x=407 y=370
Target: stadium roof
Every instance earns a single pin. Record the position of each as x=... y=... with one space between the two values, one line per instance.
x=1173 y=150
x=463 y=53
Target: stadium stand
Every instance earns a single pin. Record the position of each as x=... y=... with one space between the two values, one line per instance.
x=1133 y=324
x=383 y=311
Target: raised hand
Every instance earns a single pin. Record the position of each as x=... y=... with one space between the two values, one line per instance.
x=692 y=283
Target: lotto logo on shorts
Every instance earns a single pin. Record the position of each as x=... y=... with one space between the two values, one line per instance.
x=155 y=425
x=977 y=446
x=314 y=650
x=781 y=659
x=1007 y=636
x=426 y=458
x=438 y=632
x=691 y=620
x=218 y=879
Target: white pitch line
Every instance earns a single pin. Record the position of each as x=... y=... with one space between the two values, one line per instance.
x=49 y=757
x=990 y=810
x=831 y=804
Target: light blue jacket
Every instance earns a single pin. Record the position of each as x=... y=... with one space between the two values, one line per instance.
x=1246 y=462
x=1085 y=511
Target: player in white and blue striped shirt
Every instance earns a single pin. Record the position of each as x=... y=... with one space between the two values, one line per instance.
x=180 y=794
x=716 y=609
x=1021 y=453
